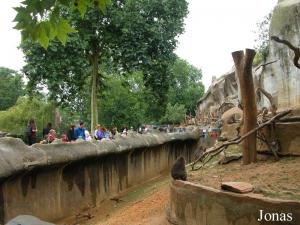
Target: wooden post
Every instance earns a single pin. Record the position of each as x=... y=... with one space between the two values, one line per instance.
x=243 y=65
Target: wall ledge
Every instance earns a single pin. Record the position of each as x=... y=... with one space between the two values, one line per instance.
x=16 y=156
x=194 y=204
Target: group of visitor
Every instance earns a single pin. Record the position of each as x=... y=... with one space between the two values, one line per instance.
x=100 y=133
x=73 y=134
x=49 y=135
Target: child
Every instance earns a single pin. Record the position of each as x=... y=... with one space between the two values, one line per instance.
x=64 y=138
x=51 y=136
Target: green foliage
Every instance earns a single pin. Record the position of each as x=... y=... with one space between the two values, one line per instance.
x=122 y=102
x=63 y=70
x=15 y=119
x=43 y=21
x=174 y=114
x=131 y=35
x=263 y=40
x=71 y=117
x=186 y=87
x=149 y=30
x=11 y=87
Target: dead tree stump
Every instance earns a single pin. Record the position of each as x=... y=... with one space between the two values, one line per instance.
x=243 y=65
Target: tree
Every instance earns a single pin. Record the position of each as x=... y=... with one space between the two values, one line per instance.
x=151 y=27
x=42 y=21
x=174 y=114
x=262 y=43
x=62 y=70
x=15 y=119
x=186 y=87
x=11 y=87
x=131 y=35
x=243 y=64
x=122 y=101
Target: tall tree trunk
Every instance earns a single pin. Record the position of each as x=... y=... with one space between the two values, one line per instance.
x=94 y=110
x=57 y=118
x=243 y=65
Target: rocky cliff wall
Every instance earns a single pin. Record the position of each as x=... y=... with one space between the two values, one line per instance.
x=281 y=79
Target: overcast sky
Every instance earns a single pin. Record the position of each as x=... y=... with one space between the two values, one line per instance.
x=213 y=30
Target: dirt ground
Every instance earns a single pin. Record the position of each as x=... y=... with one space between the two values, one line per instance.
x=145 y=205
x=270 y=178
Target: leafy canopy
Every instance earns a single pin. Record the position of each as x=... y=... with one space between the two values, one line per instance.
x=15 y=119
x=186 y=87
x=43 y=20
x=149 y=32
x=131 y=35
x=174 y=114
x=62 y=69
x=122 y=102
x=11 y=87
x=262 y=42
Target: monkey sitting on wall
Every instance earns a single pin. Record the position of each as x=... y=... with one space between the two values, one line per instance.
x=178 y=171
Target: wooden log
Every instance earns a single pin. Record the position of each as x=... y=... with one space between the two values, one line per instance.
x=243 y=63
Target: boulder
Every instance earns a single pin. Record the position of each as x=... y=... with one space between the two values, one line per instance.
x=27 y=220
x=237 y=187
x=231 y=121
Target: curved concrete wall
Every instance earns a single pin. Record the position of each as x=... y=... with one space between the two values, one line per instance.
x=60 y=180
x=192 y=204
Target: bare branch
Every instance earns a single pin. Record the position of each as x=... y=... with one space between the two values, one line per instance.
x=217 y=150
x=265 y=64
x=269 y=97
x=292 y=47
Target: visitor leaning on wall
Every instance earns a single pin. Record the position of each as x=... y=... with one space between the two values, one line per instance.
x=31 y=131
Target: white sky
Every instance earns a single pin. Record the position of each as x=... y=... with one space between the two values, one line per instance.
x=213 y=30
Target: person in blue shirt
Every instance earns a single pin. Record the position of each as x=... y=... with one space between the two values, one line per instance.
x=80 y=131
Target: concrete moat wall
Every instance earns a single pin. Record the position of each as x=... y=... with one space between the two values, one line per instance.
x=192 y=204
x=58 y=180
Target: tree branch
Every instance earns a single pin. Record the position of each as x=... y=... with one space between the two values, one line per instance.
x=292 y=47
x=217 y=150
x=265 y=64
x=269 y=97
x=237 y=57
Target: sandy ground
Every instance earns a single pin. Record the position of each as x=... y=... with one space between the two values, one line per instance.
x=275 y=179
x=145 y=205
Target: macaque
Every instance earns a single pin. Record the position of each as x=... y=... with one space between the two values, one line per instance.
x=178 y=171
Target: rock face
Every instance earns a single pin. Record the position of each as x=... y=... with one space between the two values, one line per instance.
x=222 y=90
x=231 y=122
x=281 y=79
x=237 y=187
